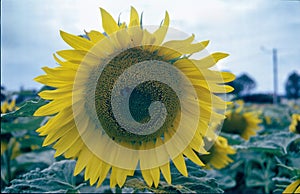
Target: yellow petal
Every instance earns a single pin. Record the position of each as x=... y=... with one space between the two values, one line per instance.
x=123 y=38
x=161 y=32
x=175 y=44
x=180 y=164
x=65 y=142
x=147 y=177
x=12 y=105
x=67 y=64
x=72 y=55
x=93 y=169
x=44 y=79
x=104 y=170
x=47 y=109
x=210 y=60
x=74 y=150
x=53 y=107
x=136 y=35
x=108 y=23
x=95 y=36
x=197 y=141
x=121 y=178
x=148 y=39
x=62 y=118
x=119 y=175
x=4 y=107
x=165 y=170
x=113 y=177
x=176 y=48
x=134 y=18
x=58 y=133
x=58 y=93
x=155 y=176
x=76 y=42
x=190 y=154
x=60 y=73
x=83 y=158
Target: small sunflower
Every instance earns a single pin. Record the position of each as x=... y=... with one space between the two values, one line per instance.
x=295 y=124
x=239 y=121
x=127 y=100
x=294 y=187
x=8 y=107
x=218 y=153
x=267 y=120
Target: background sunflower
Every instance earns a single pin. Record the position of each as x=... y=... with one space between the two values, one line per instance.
x=295 y=126
x=241 y=121
x=218 y=153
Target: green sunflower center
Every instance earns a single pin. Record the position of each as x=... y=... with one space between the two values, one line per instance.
x=236 y=124
x=140 y=97
x=211 y=149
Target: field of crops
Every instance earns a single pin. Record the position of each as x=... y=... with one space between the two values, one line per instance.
x=265 y=163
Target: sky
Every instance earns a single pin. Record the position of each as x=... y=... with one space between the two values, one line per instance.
x=247 y=30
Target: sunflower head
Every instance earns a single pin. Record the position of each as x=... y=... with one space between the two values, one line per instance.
x=267 y=120
x=241 y=121
x=5 y=138
x=218 y=153
x=126 y=99
x=8 y=107
x=295 y=124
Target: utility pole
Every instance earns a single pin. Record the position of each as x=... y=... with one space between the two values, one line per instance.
x=275 y=76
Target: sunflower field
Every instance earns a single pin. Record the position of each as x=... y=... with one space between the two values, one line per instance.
x=265 y=163
x=127 y=110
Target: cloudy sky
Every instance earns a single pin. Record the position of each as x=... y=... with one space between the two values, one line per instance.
x=247 y=30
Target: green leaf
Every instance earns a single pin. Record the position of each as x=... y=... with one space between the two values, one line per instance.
x=138 y=186
x=272 y=143
x=26 y=110
x=223 y=178
x=58 y=178
x=31 y=124
x=196 y=182
x=233 y=139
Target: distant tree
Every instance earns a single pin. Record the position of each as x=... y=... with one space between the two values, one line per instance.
x=3 y=96
x=292 y=86
x=243 y=85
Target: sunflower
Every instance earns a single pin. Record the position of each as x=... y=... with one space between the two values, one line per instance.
x=8 y=107
x=295 y=126
x=218 y=153
x=127 y=100
x=240 y=121
x=294 y=187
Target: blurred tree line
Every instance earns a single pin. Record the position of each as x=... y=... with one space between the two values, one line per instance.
x=292 y=86
x=244 y=86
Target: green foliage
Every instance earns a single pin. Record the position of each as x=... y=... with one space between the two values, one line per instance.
x=275 y=144
x=57 y=178
x=18 y=140
x=26 y=110
x=22 y=124
x=266 y=163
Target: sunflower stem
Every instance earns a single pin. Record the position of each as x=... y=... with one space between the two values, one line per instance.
x=8 y=166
